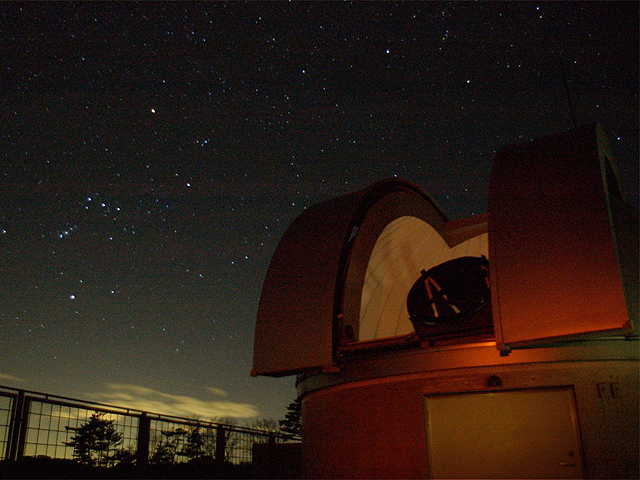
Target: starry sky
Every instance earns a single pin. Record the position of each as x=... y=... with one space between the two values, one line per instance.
x=152 y=155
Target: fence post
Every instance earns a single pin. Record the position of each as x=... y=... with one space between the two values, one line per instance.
x=18 y=426
x=221 y=443
x=14 y=425
x=24 y=424
x=144 y=435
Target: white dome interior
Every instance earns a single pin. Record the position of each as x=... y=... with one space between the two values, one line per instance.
x=406 y=246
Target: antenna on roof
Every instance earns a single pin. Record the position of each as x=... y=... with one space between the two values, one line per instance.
x=566 y=88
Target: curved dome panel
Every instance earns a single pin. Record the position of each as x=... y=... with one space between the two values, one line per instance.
x=405 y=247
x=311 y=296
x=294 y=328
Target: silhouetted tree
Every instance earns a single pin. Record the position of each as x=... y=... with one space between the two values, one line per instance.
x=231 y=437
x=94 y=440
x=292 y=422
x=266 y=424
x=163 y=454
x=125 y=456
x=167 y=446
x=194 y=444
x=189 y=442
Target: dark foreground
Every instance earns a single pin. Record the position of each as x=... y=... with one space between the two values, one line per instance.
x=58 y=468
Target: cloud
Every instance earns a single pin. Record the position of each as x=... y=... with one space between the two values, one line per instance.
x=217 y=391
x=74 y=414
x=11 y=378
x=154 y=401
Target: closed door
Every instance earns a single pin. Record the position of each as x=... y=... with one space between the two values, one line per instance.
x=508 y=434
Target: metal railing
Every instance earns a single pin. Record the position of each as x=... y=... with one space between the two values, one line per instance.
x=35 y=424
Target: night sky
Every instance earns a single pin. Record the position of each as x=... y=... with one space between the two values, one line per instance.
x=152 y=155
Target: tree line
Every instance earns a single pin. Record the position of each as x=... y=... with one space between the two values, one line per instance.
x=98 y=443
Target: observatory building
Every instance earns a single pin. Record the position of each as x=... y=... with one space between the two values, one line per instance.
x=503 y=345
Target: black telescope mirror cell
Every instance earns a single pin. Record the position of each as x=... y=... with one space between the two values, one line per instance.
x=449 y=291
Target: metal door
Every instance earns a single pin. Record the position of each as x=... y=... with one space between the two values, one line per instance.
x=508 y=434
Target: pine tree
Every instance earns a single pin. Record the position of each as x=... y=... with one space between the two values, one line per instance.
x=292 y=422
x=94 y=440
x=194 y=444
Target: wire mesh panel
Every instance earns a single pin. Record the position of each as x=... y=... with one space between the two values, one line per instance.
x=52 y=427
x=167 y=442
x=239 y=442
x=6 y=407
x=105 y=435
x=177 y=441
x=240 y=446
